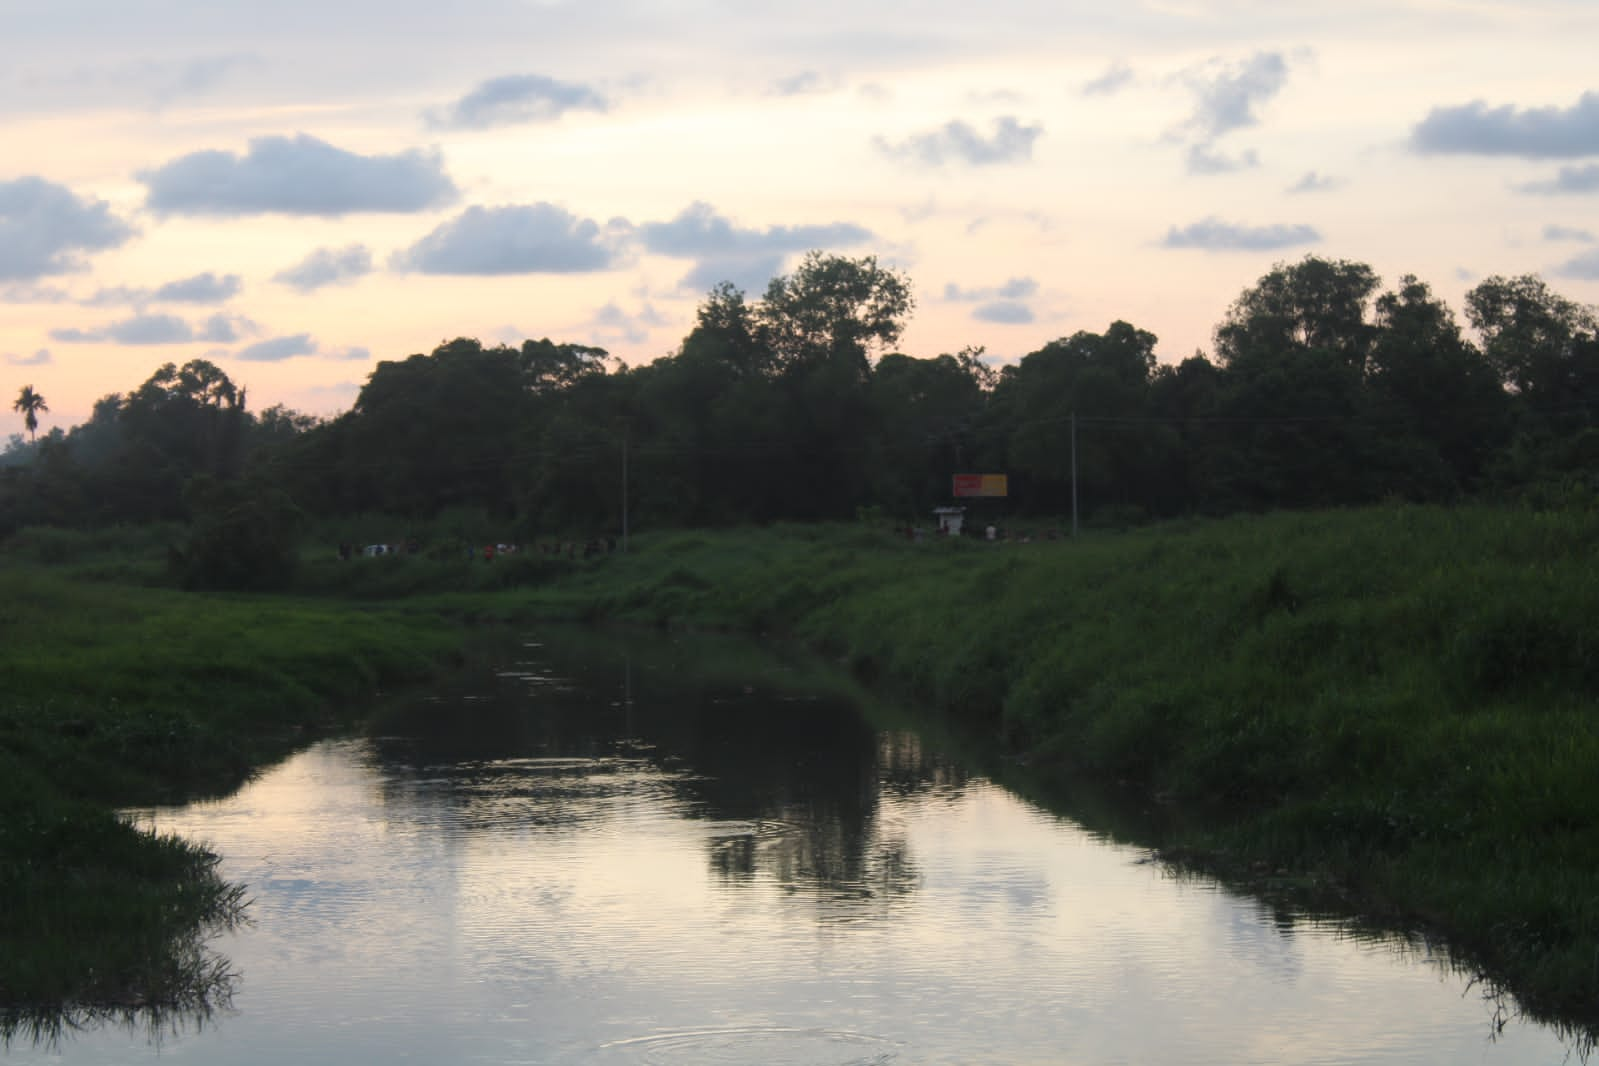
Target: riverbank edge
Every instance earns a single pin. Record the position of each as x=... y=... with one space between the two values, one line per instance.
x=120 y=696
x=1388 y=713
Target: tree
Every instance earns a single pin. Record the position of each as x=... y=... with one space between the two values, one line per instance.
x=1314 y=304
x=834 y=309
x=29 y=404
x=1529 y=334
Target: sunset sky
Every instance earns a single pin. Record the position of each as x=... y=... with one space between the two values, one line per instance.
x=299 y=190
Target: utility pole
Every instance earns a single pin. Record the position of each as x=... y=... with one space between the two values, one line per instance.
x=1074 y=473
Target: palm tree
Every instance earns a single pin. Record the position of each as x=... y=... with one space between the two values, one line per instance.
x=30 y=403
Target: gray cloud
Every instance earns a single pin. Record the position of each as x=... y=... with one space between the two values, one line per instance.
x=514 y=100
x=957 y=141
x=1014 y=289
x=140 y=329
x=1567 y=233
x=196 y=77
x=1312 y=181
x=297 y=176
x=45 y=229
x=1584 y=267
x=751 y=273
x=204 y=288
x=1227 y=95
x=749 y=258
x=1004 y=312
x=1533 y=133
x=160 y=329
x=34 y=294
x=532 y=239
x=611 y=323
x=802 y=84
x=327 y=266
x=1577 y=180
x=278 y=349
x=1116 y=77
x=1205 y=159
x=699 y=231
x=1214 y=235
x=38 y=358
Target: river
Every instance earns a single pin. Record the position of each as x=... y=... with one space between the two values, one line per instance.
x=604 y=852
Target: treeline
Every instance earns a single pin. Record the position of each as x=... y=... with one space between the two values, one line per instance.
x=1323 y=389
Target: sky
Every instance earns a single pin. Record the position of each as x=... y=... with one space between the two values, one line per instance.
x=300 y=190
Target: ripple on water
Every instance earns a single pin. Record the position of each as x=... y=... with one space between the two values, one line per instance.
x=774 y=1046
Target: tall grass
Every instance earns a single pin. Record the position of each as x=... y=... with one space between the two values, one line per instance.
x=1399 y=703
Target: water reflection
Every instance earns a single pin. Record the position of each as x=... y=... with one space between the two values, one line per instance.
x=626 y=855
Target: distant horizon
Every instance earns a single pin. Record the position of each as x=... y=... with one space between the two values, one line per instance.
x=297 y=198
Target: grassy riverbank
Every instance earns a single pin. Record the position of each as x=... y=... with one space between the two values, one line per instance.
x=115 y=695
x=1398 y=706
x=1394 y=708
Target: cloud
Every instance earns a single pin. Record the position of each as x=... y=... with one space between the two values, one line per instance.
x=532 y=239
x=957 y=141
x=1567 y=233
x=1584 y=267
x=34 y=294
x=204 y=288
x=38 y=358
x=45 y=229
x=225 y=329
x=514 y=100
x=1214 y=235
x=1533 y=133
x=198 y=76
x=747 y=273
x=804 y=83
x=699 y=231
x=1227 y=96
x=160 y=329
x=297 y=176
x=1004 y=312
x=748 y=258
x=1578 y=180
x=327 y=266
x=1014 y=289
x=277 y=349
x=1204 y=159
x=1312 y=181
x=140 y=329
x=613 y=324
x=1116 y=78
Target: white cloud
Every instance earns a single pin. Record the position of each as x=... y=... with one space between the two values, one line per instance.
x=1214 y=235
x=327 y=266
x=532 y=239
x=46 y=229
x=958 y=142
x=297 y=176
x=1532 y=133
x=516 y=99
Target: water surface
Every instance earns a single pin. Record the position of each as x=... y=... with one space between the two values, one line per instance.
x=597 y=853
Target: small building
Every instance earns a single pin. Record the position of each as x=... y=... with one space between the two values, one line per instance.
x=950 y=519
